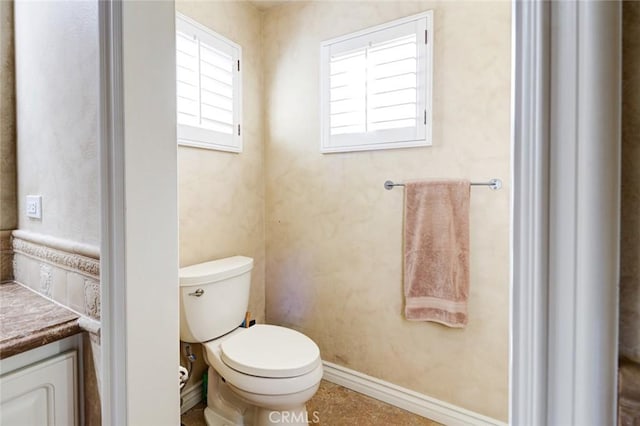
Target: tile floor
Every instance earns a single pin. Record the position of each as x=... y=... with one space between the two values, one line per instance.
x=334 y=405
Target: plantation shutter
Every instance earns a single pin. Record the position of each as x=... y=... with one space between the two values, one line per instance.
x=188 y=80
x=348 y=94
x=208 y=88
x=216 y=89
x=376 y=88
x=392 y=84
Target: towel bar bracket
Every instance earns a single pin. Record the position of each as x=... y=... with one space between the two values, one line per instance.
x=388 y=185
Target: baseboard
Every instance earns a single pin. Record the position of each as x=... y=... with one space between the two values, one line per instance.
x=191 y=397
x=406 y=399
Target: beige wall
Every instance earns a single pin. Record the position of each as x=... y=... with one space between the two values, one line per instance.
x=8 y=208
x=630 y=228
x=57 y=117
x=8 y=212
x=221 y=194
x=334 y=245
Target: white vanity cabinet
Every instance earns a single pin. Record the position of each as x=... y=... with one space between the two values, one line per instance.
x=42 y=392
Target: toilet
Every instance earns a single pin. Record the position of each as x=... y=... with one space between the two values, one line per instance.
x=261 y=375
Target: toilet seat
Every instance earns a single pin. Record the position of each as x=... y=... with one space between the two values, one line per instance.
x=256 y=384
x=270 y=351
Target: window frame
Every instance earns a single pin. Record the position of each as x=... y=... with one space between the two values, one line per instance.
x=388 y=138
x=199 y=136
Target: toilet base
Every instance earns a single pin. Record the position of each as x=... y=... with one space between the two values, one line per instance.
x=293 y=417
x=261 y=417
x=212 y=418
x=229 y=406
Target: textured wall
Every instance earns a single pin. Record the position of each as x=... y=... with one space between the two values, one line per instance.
x=57 y=82
x=57 y=117
x=334 y=235
x=8 y=208
x=8 y=212
x=221 y=194
x=630 y=227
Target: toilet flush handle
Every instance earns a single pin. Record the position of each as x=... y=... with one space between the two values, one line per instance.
x=199 y=292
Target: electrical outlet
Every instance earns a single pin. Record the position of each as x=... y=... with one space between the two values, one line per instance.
x=34 y=206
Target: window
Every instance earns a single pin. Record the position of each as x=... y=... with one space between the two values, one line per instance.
x=376 y=87
x=208 y=88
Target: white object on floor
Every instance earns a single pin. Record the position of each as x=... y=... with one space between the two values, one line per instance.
x=183 y=376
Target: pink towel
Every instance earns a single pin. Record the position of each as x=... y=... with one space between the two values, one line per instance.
x=436 y=251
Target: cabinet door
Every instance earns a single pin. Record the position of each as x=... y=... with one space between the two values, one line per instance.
x=44 y=393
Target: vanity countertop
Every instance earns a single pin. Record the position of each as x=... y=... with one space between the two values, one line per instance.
x=29 y=320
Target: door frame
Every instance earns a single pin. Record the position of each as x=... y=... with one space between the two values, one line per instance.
x=139 y=226
x=565 y=212
x=112 y=247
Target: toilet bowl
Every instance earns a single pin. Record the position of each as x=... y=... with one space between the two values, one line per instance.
x=262 y=375
x=272 y=368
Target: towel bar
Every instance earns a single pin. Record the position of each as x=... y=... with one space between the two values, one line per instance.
x=493 y=184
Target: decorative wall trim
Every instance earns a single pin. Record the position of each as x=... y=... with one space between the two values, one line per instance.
x=68 y=246
x=45 y=279
x=70 y=260
x=70 y=279
x=191 y=397
x=406 y=399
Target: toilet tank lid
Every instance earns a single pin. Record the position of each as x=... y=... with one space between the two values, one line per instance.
x=215 y=270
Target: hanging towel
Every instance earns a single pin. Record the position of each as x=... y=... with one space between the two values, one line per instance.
x=436 y=251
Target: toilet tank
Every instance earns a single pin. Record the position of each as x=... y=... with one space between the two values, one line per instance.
x=213 y=297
